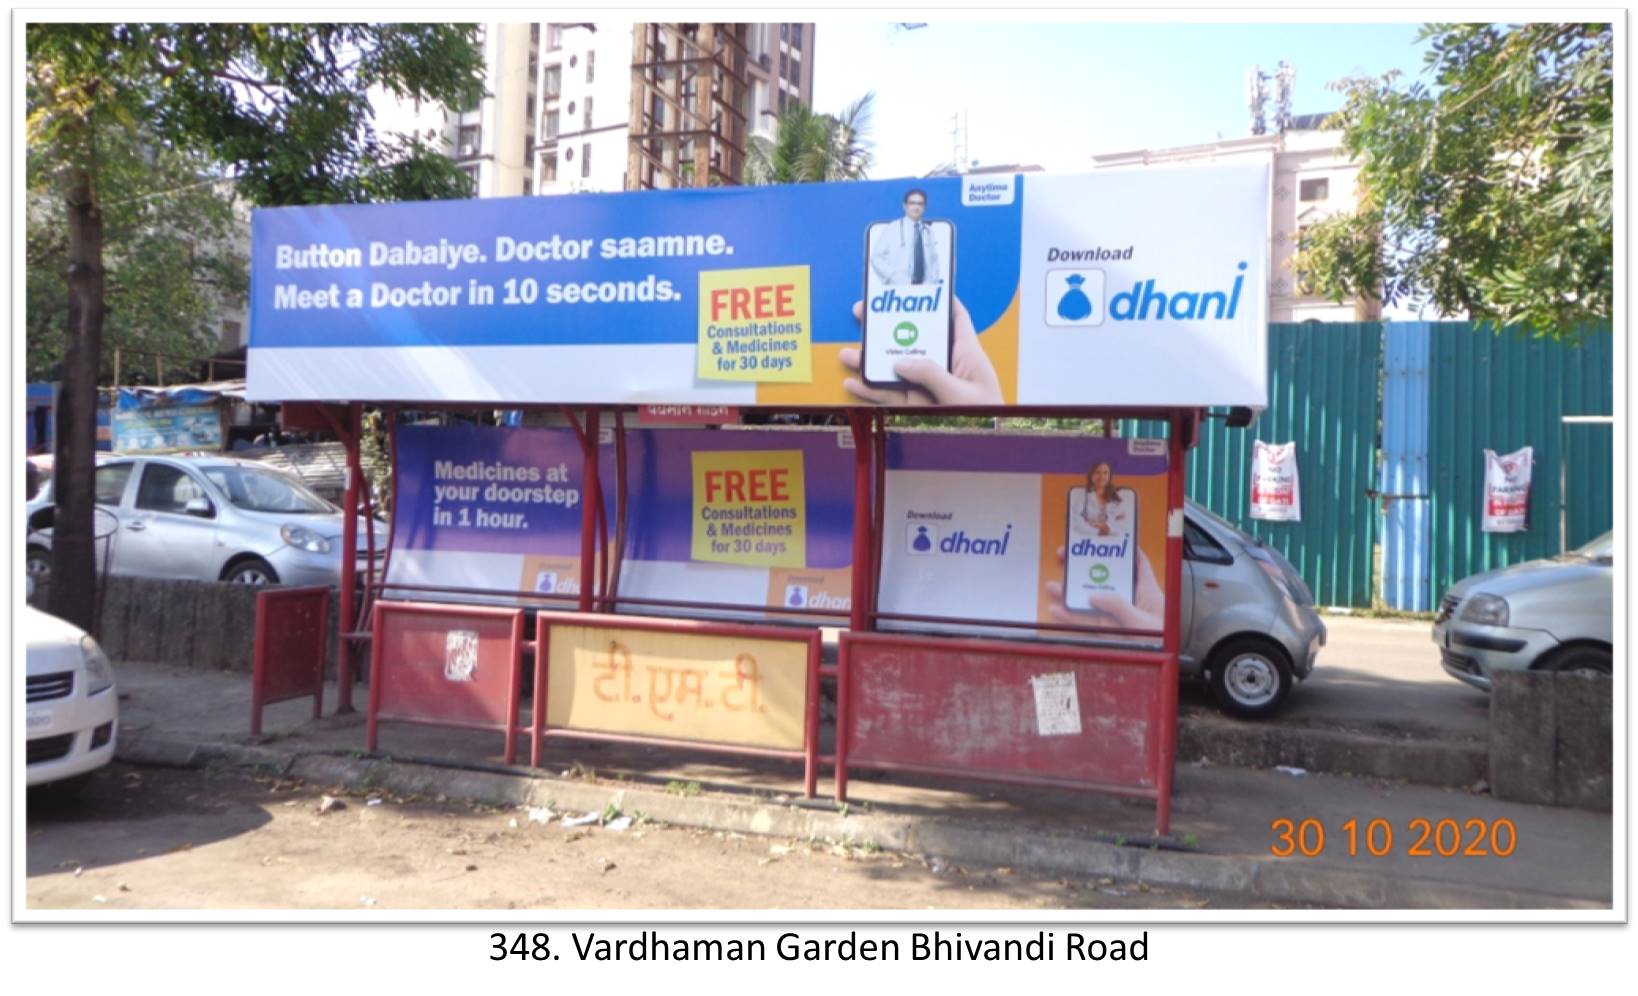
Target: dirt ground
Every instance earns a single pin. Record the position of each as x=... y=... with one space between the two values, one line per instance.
x=164 y=838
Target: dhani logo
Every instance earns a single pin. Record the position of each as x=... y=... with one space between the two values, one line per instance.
x=894 y=302
x=1145 y=303
x=960 y=544
x=906 y=333
x=1096 y=548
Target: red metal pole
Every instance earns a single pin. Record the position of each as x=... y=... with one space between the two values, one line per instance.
x=515 y=691
x=371 y=722
x=537 y=721
x=844 y=696
x=591 y=506
x=1172 y=643
x=859 y=613
x=349 y=565
x=810 y=731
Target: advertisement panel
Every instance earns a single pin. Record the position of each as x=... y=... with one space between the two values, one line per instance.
x=1029 y=529
x=760 y=518
x=166 y=427
x=1140 y=287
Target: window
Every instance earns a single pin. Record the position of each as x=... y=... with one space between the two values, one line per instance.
x=568 y=154
x=528 y=187
x=784 y=65
x=110 y=483
x=571 y=108
x=263 y=491
x=585 y=161
x=1314 y=190
x=554 y=37
x=534 y=35
x=549 y=124
x=166 y=489
x=586 y=122
x=552 y=84
x=230 y=333
x=796 y=37
x=1198 y=545
x=782 y=101
x=471 y=139
x=530 y=104
x=591 y=66
x=548 y=167
x=784 y=32
x=574 y=60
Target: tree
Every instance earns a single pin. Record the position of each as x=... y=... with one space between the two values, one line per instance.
x=285 y=107
x=813 y=148
x=1488 y=192
x=174 y=251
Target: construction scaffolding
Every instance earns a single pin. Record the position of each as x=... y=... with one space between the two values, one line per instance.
x=689 y=96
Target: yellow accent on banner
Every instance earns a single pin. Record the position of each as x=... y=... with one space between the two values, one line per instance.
x=750 y=508
x=687 y=686
x=755 y=325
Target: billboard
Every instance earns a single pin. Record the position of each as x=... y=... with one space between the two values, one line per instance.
x=1141 y=287
x=750 y=518
x=1024 y=529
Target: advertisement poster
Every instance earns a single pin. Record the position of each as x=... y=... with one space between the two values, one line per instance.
x=1507 y=491
x=1276 y=494
x=1031 y=529
x=759 y=518
x=1140 y=287
x=166 y=427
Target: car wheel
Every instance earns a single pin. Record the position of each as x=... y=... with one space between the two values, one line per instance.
x=1250 y=678
x=1579 y=659
x=254 y=571
x=39 y=564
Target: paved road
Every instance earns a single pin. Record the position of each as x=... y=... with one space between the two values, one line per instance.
x=163 y=838
x=1382 y=674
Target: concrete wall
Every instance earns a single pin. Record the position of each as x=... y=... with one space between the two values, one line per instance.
x=1550 y=739
x=198 y=624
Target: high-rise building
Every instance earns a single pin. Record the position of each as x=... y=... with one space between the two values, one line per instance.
x=561 y=116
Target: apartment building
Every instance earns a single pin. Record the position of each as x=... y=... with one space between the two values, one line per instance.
x=1313 y=178
x=559 y=115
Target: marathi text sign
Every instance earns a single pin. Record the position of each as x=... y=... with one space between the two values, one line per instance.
x=678 y=685
x=1141 y=287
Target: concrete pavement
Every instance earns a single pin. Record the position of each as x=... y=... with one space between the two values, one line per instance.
x=1223 y=818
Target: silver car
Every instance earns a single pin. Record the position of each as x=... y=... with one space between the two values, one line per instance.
x=207 y=519
x=1549 y=615
x=1249 y=625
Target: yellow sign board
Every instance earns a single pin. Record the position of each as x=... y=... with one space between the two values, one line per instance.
x=684 y=686
x=750 y=508
x=754 y=325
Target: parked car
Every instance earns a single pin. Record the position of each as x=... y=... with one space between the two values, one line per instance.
x=72 y=712
x=1250 y=630
x=1555 y=614
x=206 y=519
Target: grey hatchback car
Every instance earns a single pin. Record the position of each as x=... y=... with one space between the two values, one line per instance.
x=207 y=519
x=1250 y=630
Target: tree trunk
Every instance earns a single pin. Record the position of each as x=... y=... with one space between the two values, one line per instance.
x=73 y=558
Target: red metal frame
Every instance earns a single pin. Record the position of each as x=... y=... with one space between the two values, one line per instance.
x=290 y=675
x=809 y=754
x=378 y=670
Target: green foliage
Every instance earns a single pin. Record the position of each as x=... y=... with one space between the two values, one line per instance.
x=1489 y=191
x=174 y=254
x=813 y=148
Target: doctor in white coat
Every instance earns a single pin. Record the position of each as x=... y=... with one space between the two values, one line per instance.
x=906 y=251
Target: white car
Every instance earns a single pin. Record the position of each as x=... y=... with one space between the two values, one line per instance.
x=1544 y=615
x=72 y=713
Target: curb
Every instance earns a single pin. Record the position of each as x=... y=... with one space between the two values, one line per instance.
x=1422 y=760
x=960 y=843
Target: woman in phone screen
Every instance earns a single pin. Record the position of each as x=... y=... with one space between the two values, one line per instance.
x=1102 y=508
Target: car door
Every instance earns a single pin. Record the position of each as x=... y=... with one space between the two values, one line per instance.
x=159 y=538
x=1207 y=578
x=110 y=485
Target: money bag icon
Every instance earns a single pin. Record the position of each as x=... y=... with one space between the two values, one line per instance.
x=921 y=544
x=1074 y=305
x=795 y=600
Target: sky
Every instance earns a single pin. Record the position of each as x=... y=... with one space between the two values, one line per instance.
x=1055 y=94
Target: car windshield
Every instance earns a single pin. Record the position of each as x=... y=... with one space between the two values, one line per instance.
x=264 y=491
x=1602 y=548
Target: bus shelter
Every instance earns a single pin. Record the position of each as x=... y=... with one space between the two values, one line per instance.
x=1009 y=602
